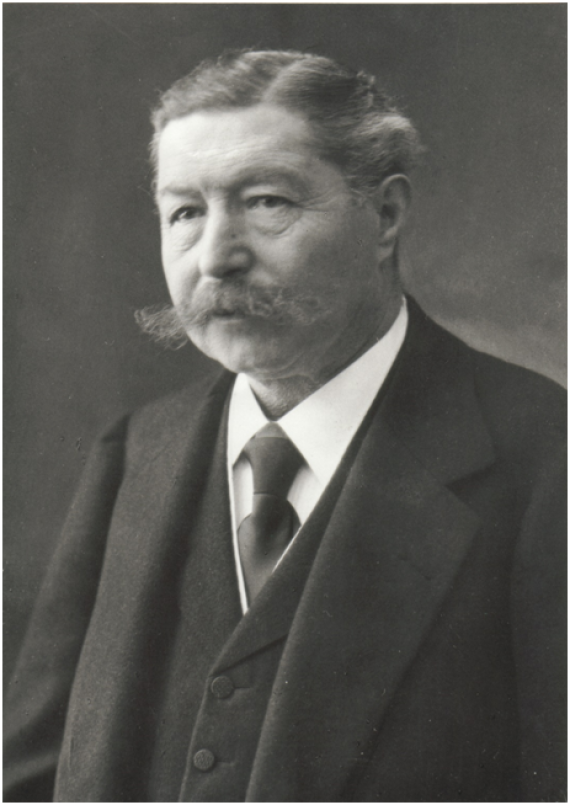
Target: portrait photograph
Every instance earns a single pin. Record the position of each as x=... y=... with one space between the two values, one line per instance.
x=284 y=402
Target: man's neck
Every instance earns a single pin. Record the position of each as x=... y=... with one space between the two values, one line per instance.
x=278 y=396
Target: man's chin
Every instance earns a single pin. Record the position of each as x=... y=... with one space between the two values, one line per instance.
x=239 y=347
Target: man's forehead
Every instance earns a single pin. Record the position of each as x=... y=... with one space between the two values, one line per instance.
x=260 y=143
x=214 y=130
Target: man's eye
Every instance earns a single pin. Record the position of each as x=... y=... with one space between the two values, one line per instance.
x=187 y=213
x=267 y=202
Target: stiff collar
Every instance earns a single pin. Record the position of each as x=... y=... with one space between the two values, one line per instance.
x=323 y=425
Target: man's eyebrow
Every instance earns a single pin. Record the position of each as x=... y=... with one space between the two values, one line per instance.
x=174 y=190
x=248 y=178
x=262 y=176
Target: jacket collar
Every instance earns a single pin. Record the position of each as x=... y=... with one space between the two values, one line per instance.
x=432 y=405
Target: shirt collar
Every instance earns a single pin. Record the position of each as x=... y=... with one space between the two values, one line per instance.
x=323 y=425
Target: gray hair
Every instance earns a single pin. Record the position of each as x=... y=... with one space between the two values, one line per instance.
x=354 y=124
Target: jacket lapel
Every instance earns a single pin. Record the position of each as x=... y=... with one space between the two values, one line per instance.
x=394 y=543
x=166 y=467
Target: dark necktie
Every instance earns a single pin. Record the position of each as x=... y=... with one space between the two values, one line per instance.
x=266 y=532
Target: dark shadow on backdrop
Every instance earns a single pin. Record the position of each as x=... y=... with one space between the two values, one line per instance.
x=484 y=253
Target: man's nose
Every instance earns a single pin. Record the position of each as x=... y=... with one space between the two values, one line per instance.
x=223 y=247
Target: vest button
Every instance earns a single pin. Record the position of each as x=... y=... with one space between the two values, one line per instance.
x=204 y=759
x=222 y=687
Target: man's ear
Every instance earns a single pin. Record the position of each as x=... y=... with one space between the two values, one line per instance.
x=392 y=201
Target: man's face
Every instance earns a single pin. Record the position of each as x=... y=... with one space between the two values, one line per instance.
x=270 y=261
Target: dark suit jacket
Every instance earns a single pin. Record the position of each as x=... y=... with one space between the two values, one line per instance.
x=425 y=660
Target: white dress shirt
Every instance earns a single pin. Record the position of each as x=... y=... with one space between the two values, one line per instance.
x=321 y=427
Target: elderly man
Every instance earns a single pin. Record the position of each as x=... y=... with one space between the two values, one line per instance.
x=335 y=571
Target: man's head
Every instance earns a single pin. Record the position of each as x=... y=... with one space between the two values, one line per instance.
x=281 y=186
x=353 y=123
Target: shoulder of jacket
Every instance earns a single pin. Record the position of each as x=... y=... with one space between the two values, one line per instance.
x=524 y=412
x=505 y=389
x=154 y=420
x=518 y=395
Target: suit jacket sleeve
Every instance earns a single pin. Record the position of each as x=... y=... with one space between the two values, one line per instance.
x=39 y=691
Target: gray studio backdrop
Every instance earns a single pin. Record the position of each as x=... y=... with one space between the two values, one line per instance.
x=484 y=252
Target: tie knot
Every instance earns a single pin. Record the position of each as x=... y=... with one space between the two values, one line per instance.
x=274 y=460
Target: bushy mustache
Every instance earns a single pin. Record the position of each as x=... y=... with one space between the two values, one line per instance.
x=169 y=325
x=163 y=325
